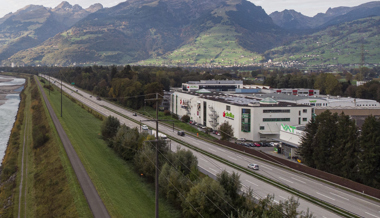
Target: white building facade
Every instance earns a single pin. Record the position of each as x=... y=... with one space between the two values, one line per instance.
x=250 y=118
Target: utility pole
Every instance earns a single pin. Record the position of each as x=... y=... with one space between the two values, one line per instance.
x=61 y=94
x=157 y=140
x=157 y=155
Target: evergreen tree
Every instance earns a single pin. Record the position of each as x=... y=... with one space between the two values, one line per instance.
x=369 y=165
x=344 y=159
x=306 y=148
x=324 y=140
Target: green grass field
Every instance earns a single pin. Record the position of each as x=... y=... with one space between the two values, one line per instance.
x=216 y=46
x=123 y=192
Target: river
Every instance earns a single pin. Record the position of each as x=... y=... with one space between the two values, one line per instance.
x=9 y=103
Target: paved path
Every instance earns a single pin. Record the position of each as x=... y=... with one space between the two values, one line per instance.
x=22 y=171
x=94 y=201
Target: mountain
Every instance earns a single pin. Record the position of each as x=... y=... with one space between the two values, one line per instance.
x=138 y=30
x=337 y=44
x=292 y=20
x=33 y=24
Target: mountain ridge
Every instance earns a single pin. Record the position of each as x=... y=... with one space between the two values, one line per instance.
x=293 y=20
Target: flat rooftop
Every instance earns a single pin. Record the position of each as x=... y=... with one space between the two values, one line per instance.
x=211 y=82
x=242 y=100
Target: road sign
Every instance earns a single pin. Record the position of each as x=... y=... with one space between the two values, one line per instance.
x=72 y=83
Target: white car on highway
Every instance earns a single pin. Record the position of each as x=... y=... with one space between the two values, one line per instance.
x=144 y=127
x=253 y=166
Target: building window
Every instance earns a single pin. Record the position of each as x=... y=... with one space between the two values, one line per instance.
x=276 y=111
x=299 y=113
x=276 y=119
x=304 y=119
x=262 y=127
x=246 y=120
x=228 y=108
x=305 y=110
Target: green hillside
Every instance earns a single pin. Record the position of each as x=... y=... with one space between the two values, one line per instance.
x=340 y=44
x=220 y=32
x=217 y=46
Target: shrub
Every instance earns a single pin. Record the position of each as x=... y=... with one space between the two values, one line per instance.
x=175 y=116
x=167 y=113
x=110 y=127
x=185 y=118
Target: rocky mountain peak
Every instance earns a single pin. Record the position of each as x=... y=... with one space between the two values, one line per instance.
x=95 y=7
x=64 y=5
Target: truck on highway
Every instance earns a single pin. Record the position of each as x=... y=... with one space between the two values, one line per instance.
x=160 y=135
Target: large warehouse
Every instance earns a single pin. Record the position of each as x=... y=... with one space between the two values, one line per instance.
x=251 y=118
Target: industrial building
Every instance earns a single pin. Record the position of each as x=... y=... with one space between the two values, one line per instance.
x=213 y=85
x=251 y=118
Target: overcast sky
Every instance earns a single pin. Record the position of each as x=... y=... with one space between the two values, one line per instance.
x=306 y=7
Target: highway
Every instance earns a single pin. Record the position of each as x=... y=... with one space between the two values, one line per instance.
x=350 y=201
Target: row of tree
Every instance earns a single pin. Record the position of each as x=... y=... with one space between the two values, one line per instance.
x=327 y=83
x=182 y=184
x=334 y=144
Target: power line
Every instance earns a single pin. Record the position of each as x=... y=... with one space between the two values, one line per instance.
x=198 y=178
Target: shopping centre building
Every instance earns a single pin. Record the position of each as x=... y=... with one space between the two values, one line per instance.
x=251 y=118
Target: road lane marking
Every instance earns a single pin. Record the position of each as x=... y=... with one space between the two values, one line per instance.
x=232 y=158
x=221 y=150
x=203 y=159
x=282 y=197
x=326 y=196
x=252 y=183
x=239 y=156
x=372 y=215
x=298 y=180
x=211 y=149
x=266 y=167
x=377 y=205
x=339 y=196
x=285 y=179
x=213 y=169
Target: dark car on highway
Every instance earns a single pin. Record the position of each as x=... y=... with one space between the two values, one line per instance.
x=181 y=133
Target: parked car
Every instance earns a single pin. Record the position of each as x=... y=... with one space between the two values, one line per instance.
x=250 y=144
x=266 y=144
x=242 y=139
x=256 y=144
x=253 y=166
x=144 y=127
x=191 y=122
x=181 y=133
x=134 y=114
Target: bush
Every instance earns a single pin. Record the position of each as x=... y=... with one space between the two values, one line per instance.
x=49 y=87
x=185 y=118
x=167 y=113
x=110 y=127
x=226 y=131
x=175 y=116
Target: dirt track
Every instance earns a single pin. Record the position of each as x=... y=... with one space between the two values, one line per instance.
x=94 y=201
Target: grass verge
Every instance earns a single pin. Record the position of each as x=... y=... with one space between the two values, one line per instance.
x=56 y=191
x=123 y=192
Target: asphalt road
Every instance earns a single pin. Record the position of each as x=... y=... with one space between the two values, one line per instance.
x=94 y=201
x=348 y=200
